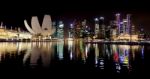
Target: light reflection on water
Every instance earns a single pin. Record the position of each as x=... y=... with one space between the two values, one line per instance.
x=95 y=55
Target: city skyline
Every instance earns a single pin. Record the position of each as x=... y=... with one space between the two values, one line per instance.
x=140 y=20
x=14 y=16
x=98 y=39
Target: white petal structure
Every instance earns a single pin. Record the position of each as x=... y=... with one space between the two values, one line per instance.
x=46 y=25
x=45 y=30
x=35 y=25
x=28 y=27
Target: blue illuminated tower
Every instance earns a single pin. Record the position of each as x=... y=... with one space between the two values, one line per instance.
x=60 y=30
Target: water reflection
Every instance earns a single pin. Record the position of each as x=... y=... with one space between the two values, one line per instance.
x=118 y=58
x=60 y=49
x=39 y=53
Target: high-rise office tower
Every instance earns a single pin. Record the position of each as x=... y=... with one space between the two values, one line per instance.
x=55 y=33
x=125 y=26
x=101 y=28
x=97 y=29
x=71 y=31
x=60 y=30
x=128 y=28
x=118 y=22
x=84 y=23
x=132 y=30
x=121 y=27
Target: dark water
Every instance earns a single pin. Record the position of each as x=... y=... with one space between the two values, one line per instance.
x=75 y=59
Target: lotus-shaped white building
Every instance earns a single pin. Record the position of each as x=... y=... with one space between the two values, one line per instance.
x=36 y=29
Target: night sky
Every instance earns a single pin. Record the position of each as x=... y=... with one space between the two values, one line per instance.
x=70 y=10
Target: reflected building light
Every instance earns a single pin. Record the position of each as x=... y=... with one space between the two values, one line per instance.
x=82 y=50
x=70 y=43
x=96 y=62
x=34 y=56
x=96 y=53
x=26 y=56
x=116 y=57
x=33 y=43
x=39 y=44
x=121 y=59
x=118 y=67
x=60 y=46
x=107 y=51
x=46 y=56
x=133 y=49
x=86 y=51
x=124 y=57
x=127 y=47
x=71 y=56
x=0 y=56
x=142 y=52
x=124 y=54
x=23 y=46
x=70 y=48
x=28 y=48
x=37 y=53
x=126 y=60
x=115 y=53
x=101 y=63
x=19 y=46
x=94 y=45
x=8 y=47
x=87 y=48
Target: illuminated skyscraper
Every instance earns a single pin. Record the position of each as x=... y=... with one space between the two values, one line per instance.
x=84 y=23
x=125 y=26
x=55 y=33
x=121 y=27
x=118 y=22
x=60 y=30
x=78 y=29
x=128 y=28
x=102 y=28
x=141 y=34
x=132 y=30
x=97 y=29
x=71 y=31
x=84 y=28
